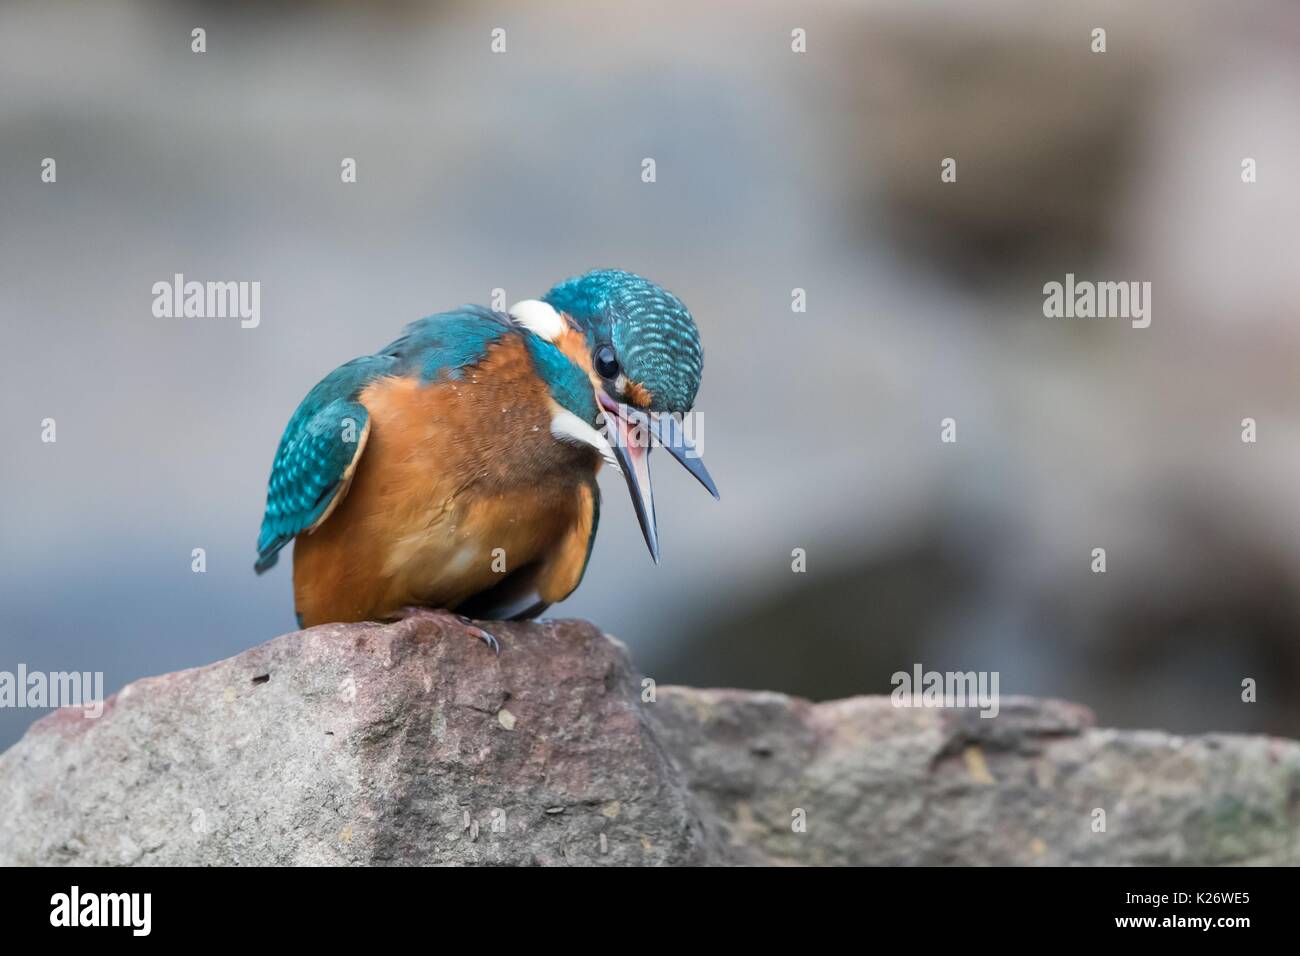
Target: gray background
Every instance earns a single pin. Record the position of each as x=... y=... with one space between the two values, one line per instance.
x=775 y=171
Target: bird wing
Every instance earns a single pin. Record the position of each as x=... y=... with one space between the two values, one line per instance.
x=318 y=455
x=323 y=442
x=442 y=346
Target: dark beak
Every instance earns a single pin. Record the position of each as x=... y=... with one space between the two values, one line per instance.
x=667 y=431
x=631 y=432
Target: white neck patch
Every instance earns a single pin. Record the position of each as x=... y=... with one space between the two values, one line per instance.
x=568 y=427
x=539 y=318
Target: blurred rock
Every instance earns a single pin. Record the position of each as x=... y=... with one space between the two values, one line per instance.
x=881 y=785
x=412 y=743
x=1045 y=132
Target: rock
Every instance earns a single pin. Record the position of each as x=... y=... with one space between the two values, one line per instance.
x=349 y=744
x=888 y=786
x=412 y=743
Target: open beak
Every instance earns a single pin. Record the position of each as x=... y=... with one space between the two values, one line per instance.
x=632 y=432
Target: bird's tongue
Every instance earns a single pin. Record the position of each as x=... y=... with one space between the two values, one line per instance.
x=636 y=439
x=631 y=441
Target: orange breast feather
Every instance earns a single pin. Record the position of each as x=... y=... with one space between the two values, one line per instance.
x=460 y=483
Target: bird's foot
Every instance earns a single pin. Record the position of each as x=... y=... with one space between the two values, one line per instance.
x=415 y=611
x=478 y=632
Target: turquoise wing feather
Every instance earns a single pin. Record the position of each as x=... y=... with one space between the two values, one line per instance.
x=324 y=440
x=442 y=346
x=317 y=455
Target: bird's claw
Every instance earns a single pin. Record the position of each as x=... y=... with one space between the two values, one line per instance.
x=412 y=611
x=488 y=639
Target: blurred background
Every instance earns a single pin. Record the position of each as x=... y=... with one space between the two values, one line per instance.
x=775 y=171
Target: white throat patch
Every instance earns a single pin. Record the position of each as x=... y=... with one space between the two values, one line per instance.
x=539 y=318
x=568 y=427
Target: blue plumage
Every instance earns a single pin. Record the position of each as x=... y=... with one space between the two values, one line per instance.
x=316 y=449
x=567 y=383
x=651 y=330
x=325 y=434
x=470 y=458
x=441 y=346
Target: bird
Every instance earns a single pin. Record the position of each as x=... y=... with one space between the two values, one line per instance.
x=454 y=470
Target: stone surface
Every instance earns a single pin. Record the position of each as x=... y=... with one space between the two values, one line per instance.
x=412 y=743
x=883 y=785
x=343 y=744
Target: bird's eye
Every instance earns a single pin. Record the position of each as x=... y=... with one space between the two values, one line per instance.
x=606 y=363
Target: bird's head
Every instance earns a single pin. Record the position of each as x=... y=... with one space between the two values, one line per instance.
x=642 y=353
x=643 y=341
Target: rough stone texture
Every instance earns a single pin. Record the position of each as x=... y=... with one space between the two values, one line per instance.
x=884 y=785
x=413 y=743
x=360 y=744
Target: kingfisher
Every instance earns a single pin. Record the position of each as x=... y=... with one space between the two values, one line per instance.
x=455 y=469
